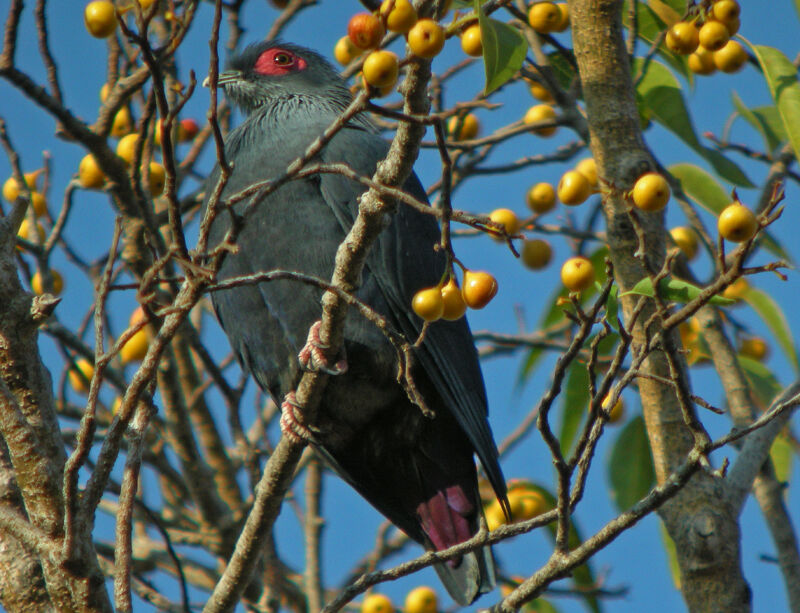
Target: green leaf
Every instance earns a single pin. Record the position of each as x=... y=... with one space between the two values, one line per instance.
x=766 y=120
x=762 y=382
x=672 y=556
x=781 y=75
x=649 y=27
x=504 y=50
x=574 y=400
x=772 y=315
x=661 y=94
x=701 y=187
x=674 y=290
x=665 y=12
x=782 y=454
x=704 y=189
x=630 y=468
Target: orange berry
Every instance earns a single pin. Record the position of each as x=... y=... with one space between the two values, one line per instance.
x=428 y=303
x=479 y=288
x=454 y=305
x=365 y=30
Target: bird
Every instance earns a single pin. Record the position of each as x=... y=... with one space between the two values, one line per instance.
x=417 y=470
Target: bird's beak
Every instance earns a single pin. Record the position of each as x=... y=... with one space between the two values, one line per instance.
x=229 y=76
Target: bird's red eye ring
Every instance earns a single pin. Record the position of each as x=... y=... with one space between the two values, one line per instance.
x=283 y=59
x=277 y=62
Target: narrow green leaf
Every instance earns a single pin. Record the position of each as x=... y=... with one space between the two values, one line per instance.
x=574 y=400
x=630 y=467
x=762 y=382
x=782 y=455
x=504 y=50
x=797 y=6
x=773 y=316
x=672 y=556
x=781 y=76
x=759 y=121
x=674 y=290
x=704 y=189
x=661 y=93
x=665 y=12
x=701 y=187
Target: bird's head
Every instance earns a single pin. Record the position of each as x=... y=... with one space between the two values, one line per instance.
x=269 y=74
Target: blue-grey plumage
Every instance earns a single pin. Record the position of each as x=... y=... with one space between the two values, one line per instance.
x=416 y=470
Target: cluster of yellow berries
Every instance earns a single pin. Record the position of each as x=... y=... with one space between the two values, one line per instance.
x=449 y=302
x=34 y=232
x=425 y=38
x=548 y=17
x=421 y=599
x=706 y=39
x=134 y=350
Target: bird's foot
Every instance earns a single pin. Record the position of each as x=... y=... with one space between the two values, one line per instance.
x=312 y=357
x=291 y=425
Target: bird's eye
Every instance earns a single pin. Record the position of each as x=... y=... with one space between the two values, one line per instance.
x=283 y=59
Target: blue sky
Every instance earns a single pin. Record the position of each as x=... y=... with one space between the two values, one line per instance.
x=636 y=560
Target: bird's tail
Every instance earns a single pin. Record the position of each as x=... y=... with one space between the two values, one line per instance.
x=474 y=575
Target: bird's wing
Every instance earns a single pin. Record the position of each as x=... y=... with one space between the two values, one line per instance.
x=402 y=262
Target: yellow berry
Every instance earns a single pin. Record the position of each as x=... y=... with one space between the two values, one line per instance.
x=104 y=91
x=702 y=62
x=726 y=11
x=365 y=30
x=536 y=254
x=135 y=348
x=507 y=219
x=402 y=16
x=540 y=92
x=345 y=51
x=187 y=130
x=79 y=379
x=126 y=147
x=428 y=303
x=465 y=128
x=539 y=113
x=381 y=69
x=731 y=58
x=11 y=187
x=26 y=232
x=541 y=198
x=563 y=22
x=377 y=603
x=737 y=223
x=573 y=188
x=422 y=599
x=588 y=168
x=426 y=38
x=713 y=35
x=39 y=204
x=526 y=503
x=651 y=192
x=38 y=286
x=615 y=413
x=100 y=19
x=683 y=38
x=686 y=240
x=122 y=124
x=89 y=173
x=577 y=274
x=755 y=348
x=479 y=288
x=453 y=301
x=471 y=42
x=544 y=17
x=494 y=515
x=158 y=178
x=737 y=289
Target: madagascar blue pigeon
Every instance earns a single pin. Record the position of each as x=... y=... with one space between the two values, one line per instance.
x=417 y=470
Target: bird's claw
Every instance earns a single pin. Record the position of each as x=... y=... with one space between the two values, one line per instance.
x=312 y=357
x=291 y=427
